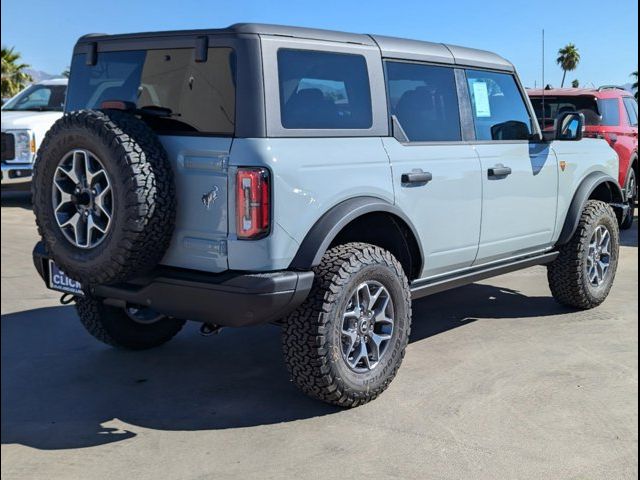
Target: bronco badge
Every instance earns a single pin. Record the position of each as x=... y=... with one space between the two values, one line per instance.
x=209 y=198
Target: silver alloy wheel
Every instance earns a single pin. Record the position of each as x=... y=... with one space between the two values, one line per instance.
x=82 y=199
x=632 y=188
x=599 y=256
x=367 y=326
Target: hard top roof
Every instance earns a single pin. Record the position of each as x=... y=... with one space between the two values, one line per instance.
x=390 y=47
x=606 y=92
x=53 y=81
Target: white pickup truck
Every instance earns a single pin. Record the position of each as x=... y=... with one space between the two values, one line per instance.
x=25 y=119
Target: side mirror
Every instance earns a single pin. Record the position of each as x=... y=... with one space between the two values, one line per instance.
x=570 y=126
x=511 y=130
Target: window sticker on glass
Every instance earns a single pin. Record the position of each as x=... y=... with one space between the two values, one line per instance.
x=481 y=99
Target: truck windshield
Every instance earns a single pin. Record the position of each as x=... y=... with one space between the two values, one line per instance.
x=185 y=96
x=555 y=106
x=38 y=98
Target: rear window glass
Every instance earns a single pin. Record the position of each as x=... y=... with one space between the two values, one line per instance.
x=186 y=96
x=425 y=101
x=555 y=106
x=321 y=90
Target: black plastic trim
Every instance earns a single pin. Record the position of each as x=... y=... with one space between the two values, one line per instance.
x=584 y=191
x=421 y=289
x=317 y=241
x=234 y=299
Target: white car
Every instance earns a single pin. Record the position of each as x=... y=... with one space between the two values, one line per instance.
x=25 y=119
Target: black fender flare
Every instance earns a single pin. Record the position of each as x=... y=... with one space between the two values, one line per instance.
x=325 y=230
x=580 y=198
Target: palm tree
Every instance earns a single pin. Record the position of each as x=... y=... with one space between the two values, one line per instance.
x=14 y=78
x=635 y=84
x=66 y=73
x=568 y=59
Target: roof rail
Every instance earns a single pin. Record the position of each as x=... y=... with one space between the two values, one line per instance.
x=611 y=87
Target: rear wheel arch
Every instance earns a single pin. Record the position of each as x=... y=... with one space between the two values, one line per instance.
x=595 y=186
x=363 y=219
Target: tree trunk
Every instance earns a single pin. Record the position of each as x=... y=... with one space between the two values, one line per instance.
x=564 y=75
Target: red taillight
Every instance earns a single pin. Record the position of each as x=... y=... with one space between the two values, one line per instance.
x=253 y=206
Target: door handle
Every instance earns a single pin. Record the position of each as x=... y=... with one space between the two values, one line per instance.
x=499 y=171
x=416 y=177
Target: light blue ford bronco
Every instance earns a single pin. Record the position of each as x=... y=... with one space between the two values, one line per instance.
x=312 y=179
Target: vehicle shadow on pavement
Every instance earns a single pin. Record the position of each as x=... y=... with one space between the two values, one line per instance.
x=629 y=238
x=62 y=389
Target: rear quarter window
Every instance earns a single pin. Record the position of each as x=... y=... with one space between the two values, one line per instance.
x=631 y=106
x=323 y=90
x=194 y=97
x=609 y=111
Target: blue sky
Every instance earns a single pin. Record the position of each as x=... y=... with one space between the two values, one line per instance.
x=606 y=33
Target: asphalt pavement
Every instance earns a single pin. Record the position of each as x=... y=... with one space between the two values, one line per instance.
x=499 y=382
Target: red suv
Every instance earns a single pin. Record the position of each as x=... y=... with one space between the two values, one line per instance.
x=610 y=113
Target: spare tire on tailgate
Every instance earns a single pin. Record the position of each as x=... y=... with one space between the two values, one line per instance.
x=103 y=196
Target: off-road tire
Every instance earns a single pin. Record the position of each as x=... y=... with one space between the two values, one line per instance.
x=143 y=191
x=111 y=325
x=311 y=335
x=567 y=274
x=627 y=221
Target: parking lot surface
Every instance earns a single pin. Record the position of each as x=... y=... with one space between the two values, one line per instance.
x=498 y=381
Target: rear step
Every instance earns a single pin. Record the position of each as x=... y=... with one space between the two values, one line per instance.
x=423 y=288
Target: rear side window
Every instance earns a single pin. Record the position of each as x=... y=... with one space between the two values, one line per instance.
x=322 y=90
x=632 y=110
x=186 y=96
x=424 y=100
x=499 y=110
x=609 y=111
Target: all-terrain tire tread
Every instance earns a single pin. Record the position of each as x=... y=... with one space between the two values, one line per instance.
x=566 y=273
x=149 y=198
x=93 y=316
x=305 y=336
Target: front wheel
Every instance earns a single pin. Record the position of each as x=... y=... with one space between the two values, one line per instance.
x=345 y=343
x=631 y=188
x=583 y=274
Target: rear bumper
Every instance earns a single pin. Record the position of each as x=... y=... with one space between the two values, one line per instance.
x=233 y=299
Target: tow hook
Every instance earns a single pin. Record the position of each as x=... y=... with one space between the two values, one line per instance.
x=67 y=298
x=208 y=329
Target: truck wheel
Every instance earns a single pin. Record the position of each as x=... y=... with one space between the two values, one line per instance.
x=103 y=196
x=632 y=197
x=345 y=343
x=133 y=329
x=582 y=275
